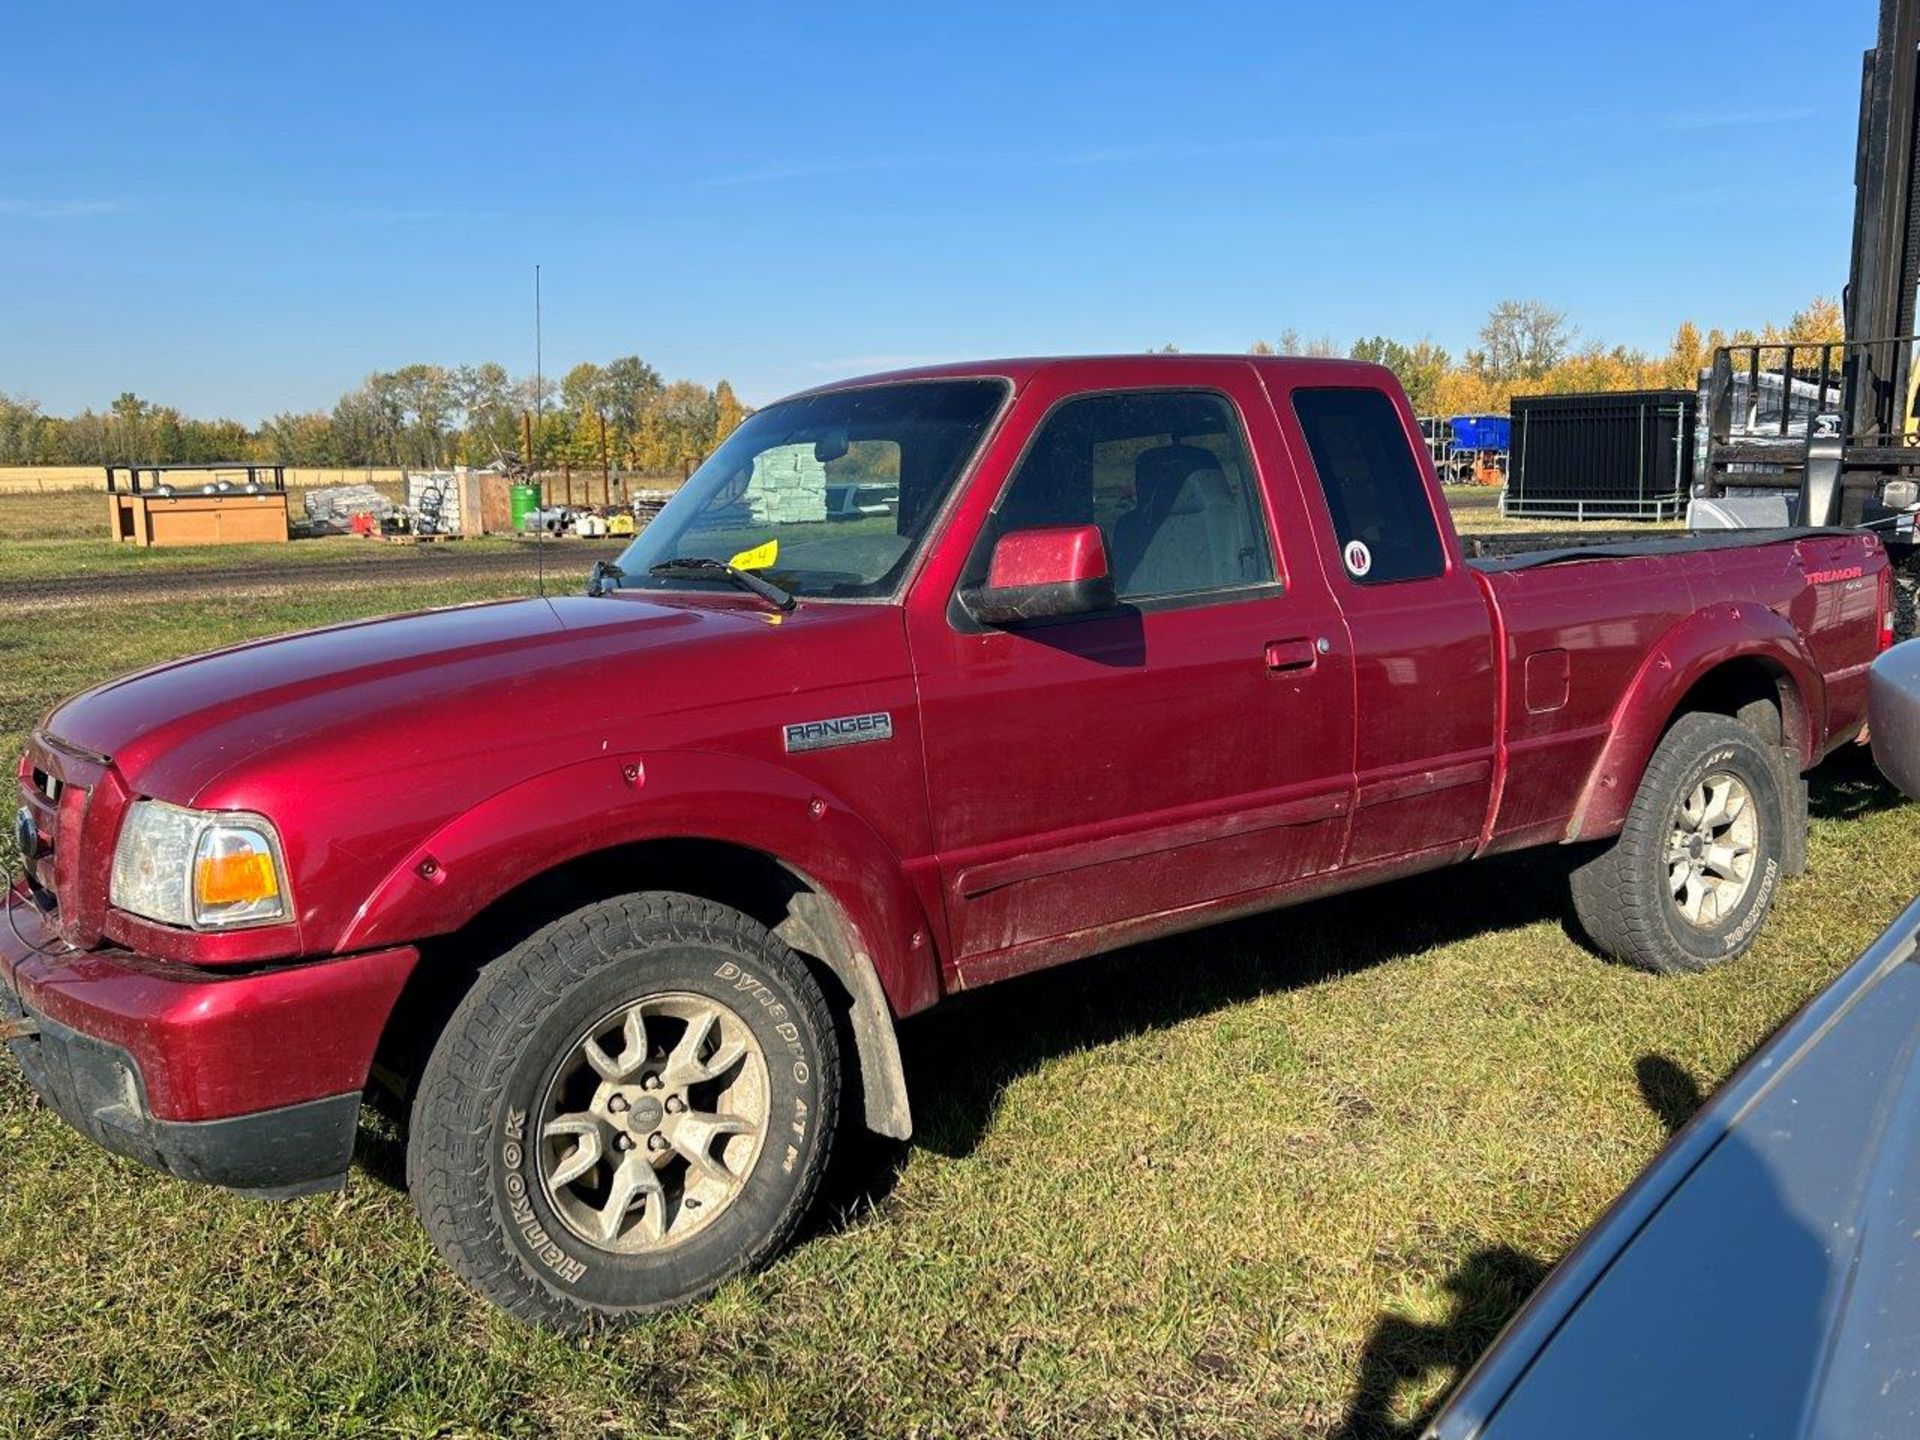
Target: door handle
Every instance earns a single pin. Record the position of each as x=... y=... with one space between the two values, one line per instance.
x=1298 y=654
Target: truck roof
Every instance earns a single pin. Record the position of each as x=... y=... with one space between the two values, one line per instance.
x=1021 y=369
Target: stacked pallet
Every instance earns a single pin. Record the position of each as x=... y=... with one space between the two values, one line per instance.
x=433 y=499
x=646 y=504
x=335 y=506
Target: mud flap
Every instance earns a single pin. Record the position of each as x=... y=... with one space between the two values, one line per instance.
x=1794 y=814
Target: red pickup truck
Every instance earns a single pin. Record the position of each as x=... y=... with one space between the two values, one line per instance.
x=623 y=893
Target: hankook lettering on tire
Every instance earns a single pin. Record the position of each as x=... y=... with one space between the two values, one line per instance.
x=520 y=1208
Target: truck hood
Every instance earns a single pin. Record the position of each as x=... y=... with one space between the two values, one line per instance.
x=399 y=691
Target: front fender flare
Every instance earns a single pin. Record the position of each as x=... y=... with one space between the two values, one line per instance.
x=882 y=946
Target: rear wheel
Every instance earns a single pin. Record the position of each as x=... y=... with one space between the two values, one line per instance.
x=1690 y=878
x=628 y=1108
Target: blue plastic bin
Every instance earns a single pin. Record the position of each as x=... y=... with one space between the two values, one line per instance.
x=1482 y=432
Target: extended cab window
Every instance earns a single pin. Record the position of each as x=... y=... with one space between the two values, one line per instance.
x=1372 y=484
x=1163 y=473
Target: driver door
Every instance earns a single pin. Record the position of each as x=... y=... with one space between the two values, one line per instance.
x=1191 y=746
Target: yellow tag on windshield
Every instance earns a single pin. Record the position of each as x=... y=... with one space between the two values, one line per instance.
x=758 y=558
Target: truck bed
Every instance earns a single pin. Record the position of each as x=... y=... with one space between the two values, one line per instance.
x=1494 y=553
x=1579 y=637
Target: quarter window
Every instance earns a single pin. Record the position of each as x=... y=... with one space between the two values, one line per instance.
x=1165 y=476
x=1381 y=512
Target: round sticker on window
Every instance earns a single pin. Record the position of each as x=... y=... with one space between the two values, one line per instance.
x=1359 y=559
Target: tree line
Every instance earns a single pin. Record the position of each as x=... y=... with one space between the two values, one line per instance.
x=432 y=416
x=419 y=416
x=1528 y=348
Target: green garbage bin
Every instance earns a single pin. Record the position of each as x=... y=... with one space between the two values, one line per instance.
x=522 y=502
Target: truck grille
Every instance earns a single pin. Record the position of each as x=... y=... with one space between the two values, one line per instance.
x=57 y=791
x=38 y=834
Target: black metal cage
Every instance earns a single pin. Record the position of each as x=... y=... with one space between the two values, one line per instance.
x=1624 y=455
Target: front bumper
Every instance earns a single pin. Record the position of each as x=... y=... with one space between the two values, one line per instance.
x=250 y=1081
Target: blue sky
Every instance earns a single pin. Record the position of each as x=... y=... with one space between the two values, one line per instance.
x=242 y=210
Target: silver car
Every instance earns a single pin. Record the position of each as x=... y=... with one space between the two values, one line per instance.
x=1893 y=715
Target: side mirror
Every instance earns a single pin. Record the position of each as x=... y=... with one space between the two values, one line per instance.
x=1044 y=573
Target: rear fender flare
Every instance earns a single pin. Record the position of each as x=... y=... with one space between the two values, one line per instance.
x=1677 y=662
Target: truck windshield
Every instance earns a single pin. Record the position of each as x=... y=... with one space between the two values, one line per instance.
x=825 y=495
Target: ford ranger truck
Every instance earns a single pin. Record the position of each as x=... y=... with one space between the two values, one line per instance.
x=619 y=896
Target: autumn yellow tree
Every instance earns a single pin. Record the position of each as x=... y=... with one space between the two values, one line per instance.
x=728 y=412
x=645 y=448
x=1820 y=321
x=1527 y=348
x=1687 y=355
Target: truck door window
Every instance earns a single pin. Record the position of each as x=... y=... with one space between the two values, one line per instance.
x=1163 y=473
x=1381 y=513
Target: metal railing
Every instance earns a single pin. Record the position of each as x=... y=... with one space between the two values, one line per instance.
x=1743 y=376
x=223 y=477
x=1767 y=400
x=1861 y=384
x=1658 y=507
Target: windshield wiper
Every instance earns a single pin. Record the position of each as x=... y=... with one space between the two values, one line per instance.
x=699 y=567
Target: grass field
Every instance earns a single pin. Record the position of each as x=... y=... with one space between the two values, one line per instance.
x=64 y=536
x=1284 y=1177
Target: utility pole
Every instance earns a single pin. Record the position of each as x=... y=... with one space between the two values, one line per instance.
x=606 y=470
x=539 y=380
x=526 y=448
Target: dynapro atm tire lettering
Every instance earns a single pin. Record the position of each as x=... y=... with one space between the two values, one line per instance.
x=789 y=1034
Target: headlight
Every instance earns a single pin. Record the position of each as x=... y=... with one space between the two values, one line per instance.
x=207 y=869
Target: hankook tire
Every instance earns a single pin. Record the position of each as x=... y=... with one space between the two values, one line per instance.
x=628 y=1108
x=1689 y=880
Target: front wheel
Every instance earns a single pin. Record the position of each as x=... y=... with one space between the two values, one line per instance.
x=628 y=1108
x=1690 y=879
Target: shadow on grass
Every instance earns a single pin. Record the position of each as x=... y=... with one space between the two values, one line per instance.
x=380 y=1149
x=961 y=1056
x=1487 y=1290
x=1670 y=1092
x=1847 y=786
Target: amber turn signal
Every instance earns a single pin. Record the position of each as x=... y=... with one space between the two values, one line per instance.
x=235 y=879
